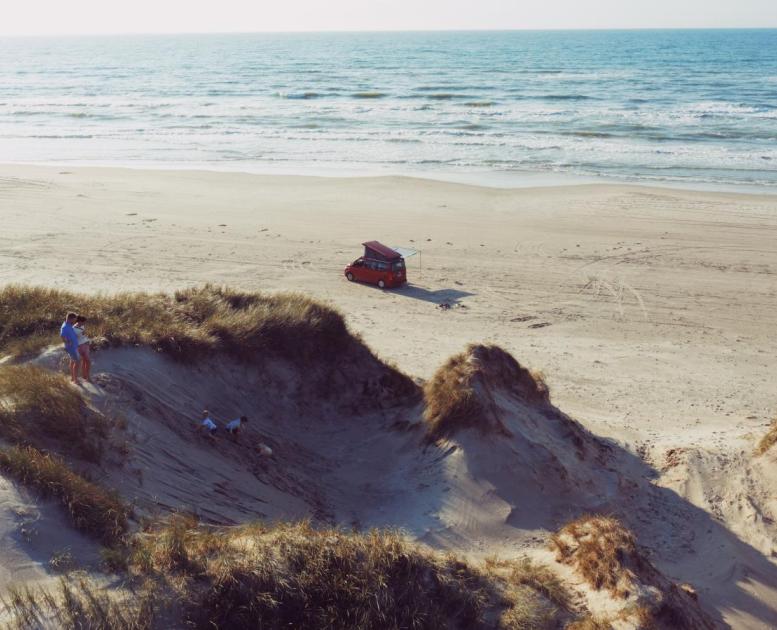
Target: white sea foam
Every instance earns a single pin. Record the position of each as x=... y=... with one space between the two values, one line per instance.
x=602 y=104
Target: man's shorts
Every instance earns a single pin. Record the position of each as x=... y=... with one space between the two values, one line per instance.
x=73 y=354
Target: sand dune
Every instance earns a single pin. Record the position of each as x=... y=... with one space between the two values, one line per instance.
x=483 y=490
x=649 y=311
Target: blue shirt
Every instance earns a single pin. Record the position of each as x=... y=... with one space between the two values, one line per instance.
x=69 y=336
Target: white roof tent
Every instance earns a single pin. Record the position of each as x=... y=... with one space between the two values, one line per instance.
x=405 y=252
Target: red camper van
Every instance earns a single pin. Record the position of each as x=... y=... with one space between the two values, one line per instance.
x=380 y=265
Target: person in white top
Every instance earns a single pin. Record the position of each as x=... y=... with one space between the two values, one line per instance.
x=233 y=426
x=83 y=348
x=207 y=424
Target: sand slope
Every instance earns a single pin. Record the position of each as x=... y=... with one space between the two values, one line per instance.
x=478 y=493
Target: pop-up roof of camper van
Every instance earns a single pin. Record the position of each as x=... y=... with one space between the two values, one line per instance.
x=379 y=251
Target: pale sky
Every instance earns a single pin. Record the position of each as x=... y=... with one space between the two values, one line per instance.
x=47 y=17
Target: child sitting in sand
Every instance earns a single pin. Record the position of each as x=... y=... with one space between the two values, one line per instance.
x=233 y=426
x=207 y=424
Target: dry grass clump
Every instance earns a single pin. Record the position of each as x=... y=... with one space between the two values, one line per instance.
x=78 y=604
x=460 y=394
x=91 y=509
x=41 y=408
x=196 y=323
x=602 y=551
x=524 y=572
x=535 y=596
x=40 y=411
x=186 y=325
x=768 y=440
x=590 y=623
x=606 y=555
x=292 y=576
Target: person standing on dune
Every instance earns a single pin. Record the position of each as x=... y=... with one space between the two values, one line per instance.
x=70 y=339
x=83 y=348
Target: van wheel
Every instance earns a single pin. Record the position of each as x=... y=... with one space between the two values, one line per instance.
x=381 y=284
x=349 y=275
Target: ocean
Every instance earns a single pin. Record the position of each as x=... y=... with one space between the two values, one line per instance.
x=695 y=107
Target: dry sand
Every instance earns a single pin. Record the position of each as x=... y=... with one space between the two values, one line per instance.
x=651 y=312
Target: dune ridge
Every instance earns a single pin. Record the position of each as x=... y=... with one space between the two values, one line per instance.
x=355 y=446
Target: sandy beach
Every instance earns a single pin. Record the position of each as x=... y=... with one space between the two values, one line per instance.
x=649 y=311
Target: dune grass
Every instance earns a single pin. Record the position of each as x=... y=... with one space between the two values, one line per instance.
x=606 y=555
x=524 y=572
x=291 y=575
x=188 y=324
x=458 y=396
x=602 y=550
x=78 y=604
x=41 y=414
x=591 y=622
x=199 y=323
x=536 y=596
x=41 y=408
x=768 y=440
x=90 y=508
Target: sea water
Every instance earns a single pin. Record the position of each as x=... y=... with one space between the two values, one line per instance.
x=693 y=106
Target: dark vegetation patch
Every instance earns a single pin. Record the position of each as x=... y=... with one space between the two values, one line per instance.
x=182 y=574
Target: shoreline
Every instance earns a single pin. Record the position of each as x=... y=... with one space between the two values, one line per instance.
x=498 y=180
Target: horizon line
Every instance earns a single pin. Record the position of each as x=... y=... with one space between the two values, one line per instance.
x=409 y=30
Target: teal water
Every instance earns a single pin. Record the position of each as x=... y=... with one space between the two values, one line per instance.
x=654 y=106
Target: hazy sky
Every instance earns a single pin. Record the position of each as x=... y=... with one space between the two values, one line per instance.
x=24 y=17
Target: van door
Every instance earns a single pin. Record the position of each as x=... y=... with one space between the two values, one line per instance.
x=367 y=272
x=359 y=270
